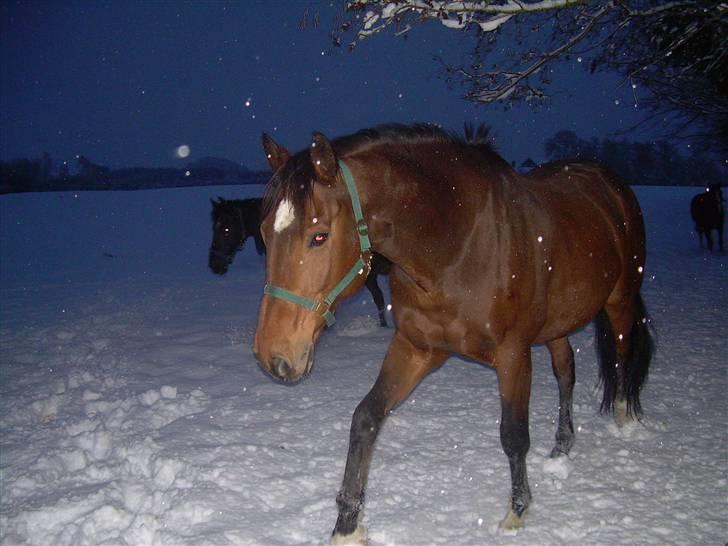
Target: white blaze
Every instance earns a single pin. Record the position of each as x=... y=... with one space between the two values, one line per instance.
x=284 y=216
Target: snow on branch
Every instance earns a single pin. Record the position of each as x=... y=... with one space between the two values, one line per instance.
x=488 y=15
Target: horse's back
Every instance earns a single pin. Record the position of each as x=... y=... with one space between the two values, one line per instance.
x=580 y=188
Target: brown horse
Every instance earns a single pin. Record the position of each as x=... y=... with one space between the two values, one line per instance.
x=486 y=263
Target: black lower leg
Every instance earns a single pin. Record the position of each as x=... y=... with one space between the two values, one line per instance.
x=565 y=430
x=348 y=518
x=516 y=442
x=373 y=286
x=365 y=426
x=565 y=377
x=562 y=363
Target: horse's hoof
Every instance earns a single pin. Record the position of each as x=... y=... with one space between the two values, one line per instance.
x=357 y=538
x=511 y=523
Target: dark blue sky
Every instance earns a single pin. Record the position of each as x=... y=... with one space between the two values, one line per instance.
x=126 y=83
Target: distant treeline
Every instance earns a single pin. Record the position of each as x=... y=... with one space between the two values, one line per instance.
x=640 y=163
x=26 y=175
x=657 y=163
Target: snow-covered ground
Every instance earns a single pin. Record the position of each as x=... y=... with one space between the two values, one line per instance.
x=132 y=411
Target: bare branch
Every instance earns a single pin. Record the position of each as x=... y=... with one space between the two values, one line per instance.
x=514 y=79
x=675 y=51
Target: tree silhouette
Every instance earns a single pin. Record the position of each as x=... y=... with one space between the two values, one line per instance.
x=658 y=163
x=677 y=51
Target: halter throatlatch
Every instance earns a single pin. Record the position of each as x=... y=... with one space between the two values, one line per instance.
x=361 y=266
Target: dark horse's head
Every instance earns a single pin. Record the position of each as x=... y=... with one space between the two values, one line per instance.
x=228 y=234
x=312 y=243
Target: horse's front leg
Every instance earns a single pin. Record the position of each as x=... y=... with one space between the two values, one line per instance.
x=513 y=365
x=404 y=367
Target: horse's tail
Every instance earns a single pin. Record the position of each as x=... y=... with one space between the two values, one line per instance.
x=636 y=362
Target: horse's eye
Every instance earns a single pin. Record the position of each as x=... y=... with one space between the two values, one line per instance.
x=319 y=238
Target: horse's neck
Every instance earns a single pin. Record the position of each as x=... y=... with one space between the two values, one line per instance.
x=416 y=223
x=249 y=214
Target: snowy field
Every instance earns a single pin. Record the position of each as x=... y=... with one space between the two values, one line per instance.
x=132 y=411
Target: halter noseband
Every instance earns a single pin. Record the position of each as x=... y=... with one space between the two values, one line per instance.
x=323 y=307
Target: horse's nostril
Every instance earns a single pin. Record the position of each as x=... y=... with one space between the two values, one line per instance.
x=281 y=368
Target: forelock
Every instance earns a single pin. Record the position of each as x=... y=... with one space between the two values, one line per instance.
x=292 y=183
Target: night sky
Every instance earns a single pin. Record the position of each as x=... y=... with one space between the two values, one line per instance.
x=127 y=83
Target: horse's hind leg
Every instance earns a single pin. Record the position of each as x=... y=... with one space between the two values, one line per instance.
x=562 y=362
x=709 y=238
x=720 y=236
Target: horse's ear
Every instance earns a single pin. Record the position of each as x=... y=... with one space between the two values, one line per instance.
x=323 y=157
x=277 y=155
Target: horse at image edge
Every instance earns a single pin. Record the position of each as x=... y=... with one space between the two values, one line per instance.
x=708 y=212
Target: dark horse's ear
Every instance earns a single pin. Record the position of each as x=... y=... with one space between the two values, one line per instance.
x=323 y=157
x=277 y=155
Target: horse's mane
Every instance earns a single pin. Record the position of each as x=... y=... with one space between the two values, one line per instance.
x=293 y=181
x=417 y=133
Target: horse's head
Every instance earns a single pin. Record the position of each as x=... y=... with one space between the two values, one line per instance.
x=315 y=256
x=228 y=234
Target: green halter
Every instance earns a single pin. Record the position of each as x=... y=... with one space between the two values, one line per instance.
x=323 y=307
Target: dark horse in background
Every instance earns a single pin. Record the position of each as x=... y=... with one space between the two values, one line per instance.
x=708 y=212
x=485 y=263
x=233 y=221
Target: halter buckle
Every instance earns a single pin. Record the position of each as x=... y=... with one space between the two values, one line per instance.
x=362 y=227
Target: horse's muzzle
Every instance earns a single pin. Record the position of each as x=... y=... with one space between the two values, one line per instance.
x=219 y=262
x=283 y=369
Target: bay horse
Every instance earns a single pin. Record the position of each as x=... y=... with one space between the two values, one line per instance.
x=485 y=263
x=233 y=221
x=708 y=213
